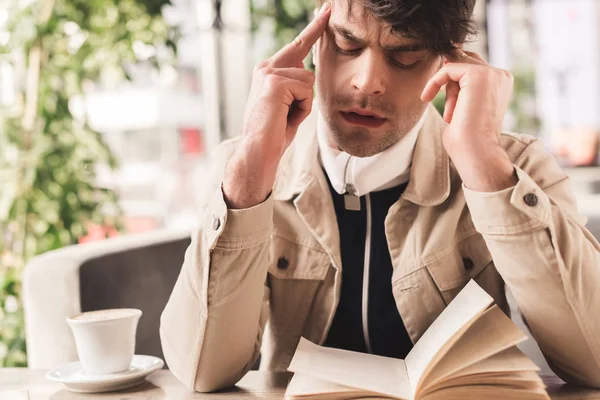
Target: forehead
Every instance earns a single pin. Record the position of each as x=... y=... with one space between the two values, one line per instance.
x=354 y=17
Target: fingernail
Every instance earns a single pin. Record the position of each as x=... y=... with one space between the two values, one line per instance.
x=325 y=8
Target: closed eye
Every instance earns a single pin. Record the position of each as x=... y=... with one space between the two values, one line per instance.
x=346 y=50
x=404 y=64
x=406 y=59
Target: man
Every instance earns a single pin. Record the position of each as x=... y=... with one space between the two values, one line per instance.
x=358 y=235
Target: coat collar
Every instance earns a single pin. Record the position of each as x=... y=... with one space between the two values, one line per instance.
x=429 y=183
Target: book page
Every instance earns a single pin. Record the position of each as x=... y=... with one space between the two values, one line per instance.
x=508 y=360
x=460 y=313
x=306 y=386
x=368 y=372
x=516 y=379
x=488 y=392
x=491 y=333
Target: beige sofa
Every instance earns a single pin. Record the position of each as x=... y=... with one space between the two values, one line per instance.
x=136 y=271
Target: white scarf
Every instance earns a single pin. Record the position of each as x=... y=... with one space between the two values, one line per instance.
x=382 y=171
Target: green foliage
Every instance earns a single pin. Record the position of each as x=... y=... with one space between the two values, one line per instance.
x=285 y=19
x=48 y=158
x=523 y=104
x=439 y=101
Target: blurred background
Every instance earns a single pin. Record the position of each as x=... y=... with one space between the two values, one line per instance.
x=109 y=110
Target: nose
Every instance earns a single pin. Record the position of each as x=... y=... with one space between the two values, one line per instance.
x=369 y=77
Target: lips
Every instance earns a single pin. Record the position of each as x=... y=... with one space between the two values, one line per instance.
x=365 y=118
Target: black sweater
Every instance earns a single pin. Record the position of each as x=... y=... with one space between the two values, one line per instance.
x=387 y=334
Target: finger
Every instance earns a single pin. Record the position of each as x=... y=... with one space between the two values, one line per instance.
x=448 y=73
x=476 y=57
x=452 y=89
x=288 y=90
x=301 y=106
x=460 y=56
x=299 y=74
x=297 y=51
x=299 y=110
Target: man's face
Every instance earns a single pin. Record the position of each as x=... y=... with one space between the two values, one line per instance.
x=363 y=68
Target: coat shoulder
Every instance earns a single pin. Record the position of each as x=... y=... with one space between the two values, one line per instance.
x=515 y=144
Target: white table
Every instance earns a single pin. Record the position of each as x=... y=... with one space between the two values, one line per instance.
x=162 y=385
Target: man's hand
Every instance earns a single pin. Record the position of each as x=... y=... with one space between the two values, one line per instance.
x=477 y=97
x=280 y=99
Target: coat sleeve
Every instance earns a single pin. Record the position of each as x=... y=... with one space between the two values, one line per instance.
x=211 y=328
x=548 y=259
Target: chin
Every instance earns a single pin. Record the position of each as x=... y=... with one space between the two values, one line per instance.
x=356 y=151
x=361 y=149
x=363 y=144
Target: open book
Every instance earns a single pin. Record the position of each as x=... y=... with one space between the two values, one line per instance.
x=469 y=352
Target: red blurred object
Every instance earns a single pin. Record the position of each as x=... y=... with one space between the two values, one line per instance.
x=191 y=140
x=97 y=232
x=577 y=147
x=140 y=224
x=573 y=15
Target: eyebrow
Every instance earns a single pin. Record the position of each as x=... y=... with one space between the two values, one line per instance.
x=404 y=48
x=346 y=34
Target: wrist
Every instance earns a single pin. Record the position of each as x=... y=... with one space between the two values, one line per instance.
x=486 y=172
x=248 y=181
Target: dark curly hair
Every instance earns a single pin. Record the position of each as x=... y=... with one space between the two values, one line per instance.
x=439 y=24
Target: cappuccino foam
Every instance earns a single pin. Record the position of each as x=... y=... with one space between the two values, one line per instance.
x=104 y=315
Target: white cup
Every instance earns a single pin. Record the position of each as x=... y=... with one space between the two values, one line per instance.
x=105 y=339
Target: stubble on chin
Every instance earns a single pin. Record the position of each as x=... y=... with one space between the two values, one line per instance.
x=359 y=142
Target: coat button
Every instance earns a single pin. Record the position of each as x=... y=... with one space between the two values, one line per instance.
x=468 y=263
x=216 y=223
x=283 y=263
x=530 y=199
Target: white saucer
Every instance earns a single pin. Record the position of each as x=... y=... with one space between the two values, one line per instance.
x=76 y=379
